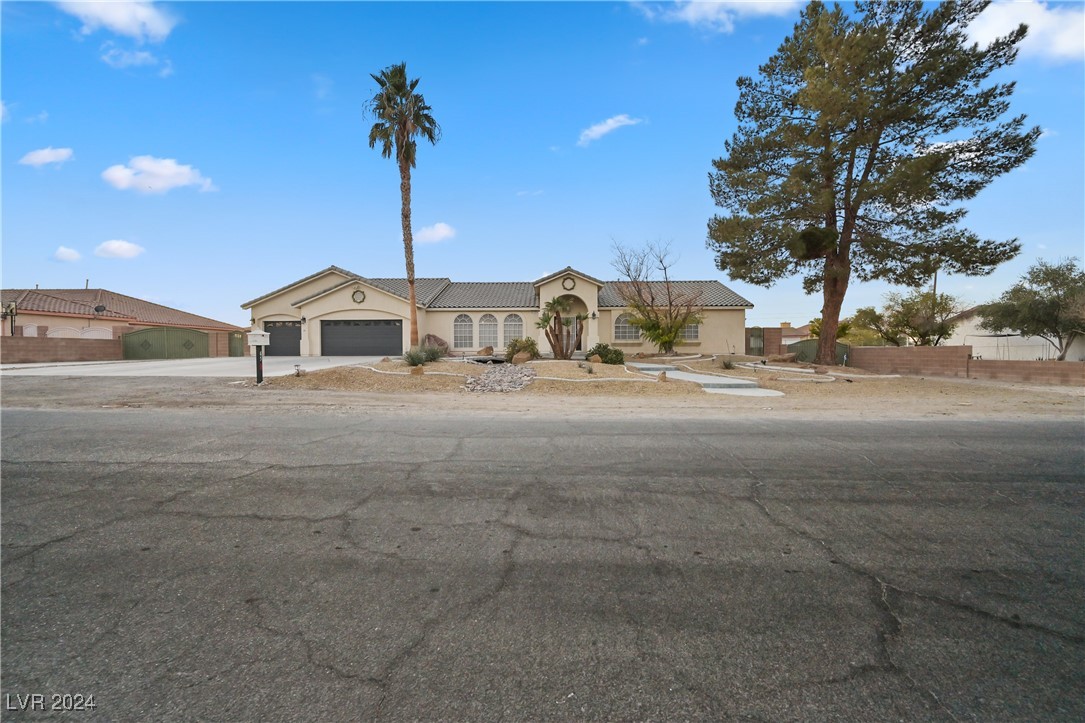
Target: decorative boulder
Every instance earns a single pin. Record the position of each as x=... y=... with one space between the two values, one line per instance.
x=662 y=377
x=486 y=351
x=595 y=359
x=418 y=370
x=433 y=340
x=788 y=358
x=521 y=357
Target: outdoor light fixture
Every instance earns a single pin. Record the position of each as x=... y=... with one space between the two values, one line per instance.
x=593 y=316
x=303 y=320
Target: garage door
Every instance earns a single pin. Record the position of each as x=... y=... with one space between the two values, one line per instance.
x=361 y=337
x=285 y=338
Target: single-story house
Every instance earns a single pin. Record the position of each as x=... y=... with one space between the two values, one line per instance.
x=1012 y=347
x=53 y=324
x=93 y=314
x=338 y=312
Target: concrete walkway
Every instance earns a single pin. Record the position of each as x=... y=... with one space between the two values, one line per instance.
x=710 y=382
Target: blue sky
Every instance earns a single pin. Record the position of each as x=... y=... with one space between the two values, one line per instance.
x=201 y=154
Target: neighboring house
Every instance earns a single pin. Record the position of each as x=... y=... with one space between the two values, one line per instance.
x=1012 y=347
x=790 y=334
x=93 y=314
x=337 y=312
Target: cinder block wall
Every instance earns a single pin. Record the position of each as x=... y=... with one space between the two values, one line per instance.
x=939 y=361
x=956 y=361
x=28 y=349
x=1066 y=373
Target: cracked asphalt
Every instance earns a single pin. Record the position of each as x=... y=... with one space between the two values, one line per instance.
x=194 y=564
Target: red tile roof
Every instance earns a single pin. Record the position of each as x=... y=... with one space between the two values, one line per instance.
x=82 y=302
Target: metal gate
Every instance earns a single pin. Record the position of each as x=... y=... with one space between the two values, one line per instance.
x=237 y=343
x=165 y=342
x=807 y=350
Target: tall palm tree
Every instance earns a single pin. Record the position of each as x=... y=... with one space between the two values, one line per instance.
x=401 y=115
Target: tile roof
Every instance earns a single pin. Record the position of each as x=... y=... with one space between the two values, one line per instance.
x=567 y=270
x=713 y=294
x=425 y=290
x=487 y=295
x=81 y=302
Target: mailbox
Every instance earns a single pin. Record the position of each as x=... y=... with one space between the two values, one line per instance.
x=259 y=338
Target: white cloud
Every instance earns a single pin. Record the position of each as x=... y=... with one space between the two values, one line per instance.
x=118 y=249
x=147 y=174
x=1056 y=31
x=439 y=231
x=167 y=69
x=119 y=58
x=39 y=118
x=139 y=20
x=523 y=194
x=718 y=16
x=599 y=130
x=45 y=156
x=3 y=111
x=63 y=253
x=642 y=41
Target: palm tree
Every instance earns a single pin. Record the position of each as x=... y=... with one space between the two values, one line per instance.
x=402 y=114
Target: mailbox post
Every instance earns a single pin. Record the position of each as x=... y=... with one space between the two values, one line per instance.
x=259 y=339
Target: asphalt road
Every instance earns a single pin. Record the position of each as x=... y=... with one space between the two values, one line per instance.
x=205 y=565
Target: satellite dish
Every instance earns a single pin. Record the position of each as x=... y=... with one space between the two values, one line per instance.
x=99 y=309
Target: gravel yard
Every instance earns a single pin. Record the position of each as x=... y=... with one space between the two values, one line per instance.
x=614 y=392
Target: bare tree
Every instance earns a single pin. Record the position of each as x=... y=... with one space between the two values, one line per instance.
x=659 y=307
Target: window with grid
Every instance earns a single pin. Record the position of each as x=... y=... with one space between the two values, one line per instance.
x=514 y=327
x=691 y=332
x=463 y=332
x=624 y=331
x=487 y=330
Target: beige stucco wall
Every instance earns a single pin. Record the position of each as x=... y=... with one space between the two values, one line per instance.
x=721 y=332
x=439 y=322
x=278 y=308
x=339 y=305
x=56 y=322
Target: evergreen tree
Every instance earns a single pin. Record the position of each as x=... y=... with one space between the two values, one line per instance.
x=857 y=144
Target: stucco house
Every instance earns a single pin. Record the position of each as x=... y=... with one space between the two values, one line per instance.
x=338 y=312
x=92 y=314
x=1012 y=347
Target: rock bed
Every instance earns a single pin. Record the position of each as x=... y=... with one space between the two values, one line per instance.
x=501 y=378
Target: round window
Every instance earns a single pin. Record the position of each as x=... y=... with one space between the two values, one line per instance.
x=358 y=296
x=568 y=283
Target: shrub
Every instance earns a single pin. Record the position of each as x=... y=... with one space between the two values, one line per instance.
x=607 y=354
x=414 y=356
x=431 y=353
x=515 y=346
x=727 y=364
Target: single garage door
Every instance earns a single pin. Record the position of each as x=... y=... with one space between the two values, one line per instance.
x=285 y=338
x=361 y=337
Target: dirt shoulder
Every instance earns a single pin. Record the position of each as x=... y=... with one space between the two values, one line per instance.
x=563 y=389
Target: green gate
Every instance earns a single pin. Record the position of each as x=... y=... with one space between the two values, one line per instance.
x=237 y=343
x=807 y=350
x=165 y=342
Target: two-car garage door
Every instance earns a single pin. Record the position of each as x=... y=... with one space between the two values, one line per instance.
x=361 y=337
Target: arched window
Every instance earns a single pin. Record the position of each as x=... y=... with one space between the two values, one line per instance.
x=487 y=330
x=624 y=331
x=514 y=327
x=463 y=332
x=691 y=332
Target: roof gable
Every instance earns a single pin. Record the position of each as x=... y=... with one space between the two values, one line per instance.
x=347 y=276
x=568 y=271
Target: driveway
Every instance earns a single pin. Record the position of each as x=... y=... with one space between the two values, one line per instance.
x=321 y=565
x=233 y=367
